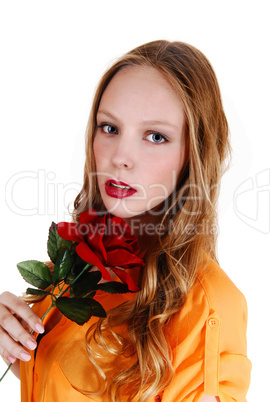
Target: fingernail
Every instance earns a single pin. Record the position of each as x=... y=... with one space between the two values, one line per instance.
x=31 y=345
x=11 y=359
x=39 y=328
x=25 y=357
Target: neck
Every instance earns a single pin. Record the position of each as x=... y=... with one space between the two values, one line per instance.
x=146 y=228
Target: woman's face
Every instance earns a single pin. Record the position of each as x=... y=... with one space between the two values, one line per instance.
x=139 y=144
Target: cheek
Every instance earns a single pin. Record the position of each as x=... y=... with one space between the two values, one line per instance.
x=167 y=171
x=162 y=181
x=99 y=153
x=99 y=158
x=96 y=147
x=176 y=162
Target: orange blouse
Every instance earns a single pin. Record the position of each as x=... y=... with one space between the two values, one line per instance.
x=207 y=336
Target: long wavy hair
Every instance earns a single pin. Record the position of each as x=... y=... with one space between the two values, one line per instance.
x=190 y=221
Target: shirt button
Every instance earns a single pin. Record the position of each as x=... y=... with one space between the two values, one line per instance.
x=63 y=321
x=213 y=322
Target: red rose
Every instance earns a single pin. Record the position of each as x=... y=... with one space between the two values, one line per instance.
x=104 y=241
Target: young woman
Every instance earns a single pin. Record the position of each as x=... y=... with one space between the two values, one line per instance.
x=157 y=139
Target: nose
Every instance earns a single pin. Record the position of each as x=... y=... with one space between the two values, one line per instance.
x=123 y=155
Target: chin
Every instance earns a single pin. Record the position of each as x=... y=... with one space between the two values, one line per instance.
x=130 y=209
x=123 y=214
x=122 y=211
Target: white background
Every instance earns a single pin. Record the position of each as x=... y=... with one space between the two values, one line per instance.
x=52 y=55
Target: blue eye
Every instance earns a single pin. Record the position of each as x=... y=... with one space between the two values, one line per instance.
x=157 y=138
x=108 y=129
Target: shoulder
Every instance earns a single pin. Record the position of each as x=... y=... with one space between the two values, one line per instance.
x=208 y=339
x=220 y=291
x=225 y=301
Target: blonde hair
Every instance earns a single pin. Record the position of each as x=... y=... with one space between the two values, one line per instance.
x=190 y=221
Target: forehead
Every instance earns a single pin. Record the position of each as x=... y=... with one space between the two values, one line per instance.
x=144 y=89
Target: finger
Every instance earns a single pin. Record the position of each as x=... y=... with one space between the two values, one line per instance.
x=23 y=323
x=21 y=309
x=11 y=327
x=11 y=350
x=9 y=359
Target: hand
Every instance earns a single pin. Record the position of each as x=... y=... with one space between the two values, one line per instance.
x=16 y=322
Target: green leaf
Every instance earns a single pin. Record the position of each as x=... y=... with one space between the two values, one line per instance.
x=70 y=278
x=78 y=263
x=36 y=273
x=55 y=243
x=98 y=310
x=37 y=292
x=77 y=266
x=77 y=310
x=86 y=283
x=62 y=266
x=113 y=287
x=89 y=294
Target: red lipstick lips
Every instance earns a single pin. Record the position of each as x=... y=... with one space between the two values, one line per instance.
x=118 y=189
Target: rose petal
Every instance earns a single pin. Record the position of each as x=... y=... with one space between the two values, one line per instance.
x=89 y=256
x=124 y=259
x=95 y=240
x=107 y=239
x=69 y=231
x=126 y=278
x=89 y=216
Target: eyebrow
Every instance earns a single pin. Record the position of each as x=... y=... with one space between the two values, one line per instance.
x=151 y=122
